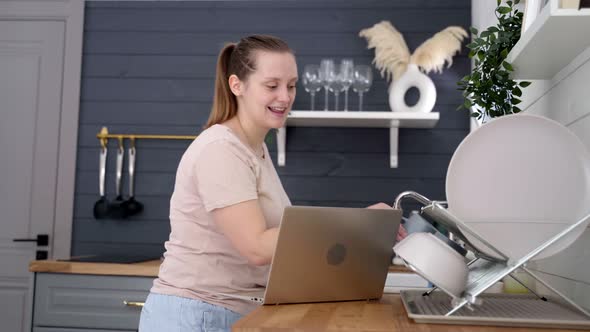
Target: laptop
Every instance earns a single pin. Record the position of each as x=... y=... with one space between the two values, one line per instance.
x=327 y=254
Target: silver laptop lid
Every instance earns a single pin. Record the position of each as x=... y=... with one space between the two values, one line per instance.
x=331 y=254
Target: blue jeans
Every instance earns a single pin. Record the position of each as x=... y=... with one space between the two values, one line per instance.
x=178 y=314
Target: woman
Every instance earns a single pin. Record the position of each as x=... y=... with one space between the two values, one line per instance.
x=228 y=199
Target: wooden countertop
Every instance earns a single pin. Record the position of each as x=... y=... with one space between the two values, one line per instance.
x=387 y=314
x=143 y=269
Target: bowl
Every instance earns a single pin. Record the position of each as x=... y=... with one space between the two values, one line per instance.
x=434 y=260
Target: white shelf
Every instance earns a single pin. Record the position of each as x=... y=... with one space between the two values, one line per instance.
x=361 y=119
x=553 y=40
x=391 y=120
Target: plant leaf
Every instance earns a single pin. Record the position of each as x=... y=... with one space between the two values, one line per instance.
x=467 y=103
x=490 y=87
x=504 y=53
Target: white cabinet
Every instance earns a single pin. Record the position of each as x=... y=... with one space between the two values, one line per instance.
x=391 y=120
x=554 y=39
x=77 y=303
x=59 y=329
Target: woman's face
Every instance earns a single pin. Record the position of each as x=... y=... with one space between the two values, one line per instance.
x=268 y=93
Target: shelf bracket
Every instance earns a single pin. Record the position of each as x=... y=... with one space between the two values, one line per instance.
x=393 y=143
x=393 y=136
x=281 y=142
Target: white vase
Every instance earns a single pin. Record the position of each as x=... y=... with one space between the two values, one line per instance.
x=413 y=77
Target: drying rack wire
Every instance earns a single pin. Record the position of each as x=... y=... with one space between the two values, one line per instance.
x=484 y=270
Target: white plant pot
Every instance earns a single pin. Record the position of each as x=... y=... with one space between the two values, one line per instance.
x=413 y=77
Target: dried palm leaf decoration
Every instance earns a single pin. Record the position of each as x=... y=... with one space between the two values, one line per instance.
x=391 y=52
x=392 y=55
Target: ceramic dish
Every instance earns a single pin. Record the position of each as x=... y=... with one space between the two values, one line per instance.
x=519 y=180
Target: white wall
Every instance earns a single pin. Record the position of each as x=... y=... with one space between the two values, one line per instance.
x=566 y=99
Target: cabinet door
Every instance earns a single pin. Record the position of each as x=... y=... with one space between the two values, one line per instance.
x=89 y=301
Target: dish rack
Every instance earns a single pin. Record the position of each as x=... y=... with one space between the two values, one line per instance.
x=474 y=307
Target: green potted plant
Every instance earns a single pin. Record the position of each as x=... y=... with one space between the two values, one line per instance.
x=488 y=91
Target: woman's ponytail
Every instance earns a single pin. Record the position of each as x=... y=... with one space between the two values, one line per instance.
x=225 y=105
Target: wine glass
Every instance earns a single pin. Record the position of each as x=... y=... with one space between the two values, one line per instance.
x=347 y=77
x=311 y=81
x=326 y=68
x=363 y=77
x=335 y=85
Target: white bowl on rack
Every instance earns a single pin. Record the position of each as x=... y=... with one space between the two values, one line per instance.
x=434 y=260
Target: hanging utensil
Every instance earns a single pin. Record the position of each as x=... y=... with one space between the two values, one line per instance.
x=117 y=209
x=131 y=206
x=101 y=207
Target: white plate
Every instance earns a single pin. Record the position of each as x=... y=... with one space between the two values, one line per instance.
x=519 y=180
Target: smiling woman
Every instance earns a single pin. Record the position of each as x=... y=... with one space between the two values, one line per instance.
x=228 y=199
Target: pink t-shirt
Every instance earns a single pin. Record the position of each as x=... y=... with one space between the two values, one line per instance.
x=216 y=171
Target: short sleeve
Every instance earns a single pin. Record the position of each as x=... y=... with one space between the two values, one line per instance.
x=225 y=175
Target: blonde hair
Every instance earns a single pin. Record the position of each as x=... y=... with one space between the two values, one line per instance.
x=238 y=59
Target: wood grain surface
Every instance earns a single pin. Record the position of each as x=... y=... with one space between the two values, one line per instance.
x=144 y=269
x=387 y=314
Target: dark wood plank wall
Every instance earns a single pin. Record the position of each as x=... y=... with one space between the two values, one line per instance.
x=148 y=67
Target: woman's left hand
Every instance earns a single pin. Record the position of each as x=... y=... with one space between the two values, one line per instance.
x=401 y=233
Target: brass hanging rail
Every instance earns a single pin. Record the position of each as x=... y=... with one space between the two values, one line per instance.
x=104 y=135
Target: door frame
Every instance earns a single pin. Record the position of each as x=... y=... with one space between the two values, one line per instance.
x=71 y=12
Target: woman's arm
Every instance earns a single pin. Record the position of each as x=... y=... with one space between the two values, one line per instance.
x=245 y=226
